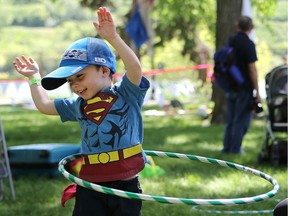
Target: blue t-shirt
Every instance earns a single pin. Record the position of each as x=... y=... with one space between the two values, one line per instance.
x=111 y=121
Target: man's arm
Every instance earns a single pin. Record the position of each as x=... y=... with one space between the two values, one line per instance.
x=254 y=78
x=107 y=30
x=29 y=68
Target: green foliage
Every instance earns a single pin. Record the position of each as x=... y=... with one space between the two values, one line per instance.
x=266 y=60
x=43 y=44
x=274 y=31
x=183 y=178
x=183 y=20
x=96 y=3
x=280 y=12
x=59 y=13
x=265 y=8
x=180 y=27
x=169 y=55
x=41 y=13
x=30 y=15
x=72 y=30
x=23 y=2
x=6 y=15
x=184 y=16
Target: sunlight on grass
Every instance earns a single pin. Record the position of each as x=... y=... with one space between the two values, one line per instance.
x=152 y=187
x=235 y=184
x=183 y=178
x=218 y=183
x=207 y=146
x=177 y=139
x=171 y=186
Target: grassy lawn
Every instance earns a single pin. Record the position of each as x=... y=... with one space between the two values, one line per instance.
x=183 y=178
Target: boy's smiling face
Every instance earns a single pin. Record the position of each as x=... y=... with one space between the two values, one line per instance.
x=89 y=81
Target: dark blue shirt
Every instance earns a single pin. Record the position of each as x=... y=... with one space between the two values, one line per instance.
x=245 y=53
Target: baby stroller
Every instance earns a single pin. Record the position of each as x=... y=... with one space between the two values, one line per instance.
x=274 y=148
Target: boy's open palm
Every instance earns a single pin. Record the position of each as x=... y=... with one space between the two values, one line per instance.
x=27 y=67
x=105 y=25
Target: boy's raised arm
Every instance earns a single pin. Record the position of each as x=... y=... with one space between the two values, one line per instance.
x=107 y=30
x=29 y=68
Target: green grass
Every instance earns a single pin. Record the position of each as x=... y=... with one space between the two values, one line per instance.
x=183 y=178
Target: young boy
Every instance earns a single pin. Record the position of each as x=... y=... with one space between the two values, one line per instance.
x=109 y=115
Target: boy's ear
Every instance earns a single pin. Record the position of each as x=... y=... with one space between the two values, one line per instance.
x=106 y=70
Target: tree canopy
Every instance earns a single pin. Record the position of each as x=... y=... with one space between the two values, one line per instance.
x=192 y=23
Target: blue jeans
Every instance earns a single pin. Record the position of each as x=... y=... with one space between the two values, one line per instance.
x=92 y=203
x=239 y=115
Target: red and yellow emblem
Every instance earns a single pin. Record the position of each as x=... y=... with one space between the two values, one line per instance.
x=98 y=107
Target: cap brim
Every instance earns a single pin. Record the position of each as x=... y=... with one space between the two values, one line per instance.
x=58 y=77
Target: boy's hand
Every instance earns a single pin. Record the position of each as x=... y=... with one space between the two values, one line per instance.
x=28 y=68
x=105 y=25
x=107 y=30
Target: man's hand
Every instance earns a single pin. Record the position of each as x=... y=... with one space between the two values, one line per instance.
x=27 y=67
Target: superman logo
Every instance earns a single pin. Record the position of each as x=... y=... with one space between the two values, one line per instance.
x=98 y=107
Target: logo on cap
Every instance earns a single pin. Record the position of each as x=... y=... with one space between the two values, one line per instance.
x=75 y=54
x=101 y=60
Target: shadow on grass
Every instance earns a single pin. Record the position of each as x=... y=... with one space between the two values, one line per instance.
x=183 y=178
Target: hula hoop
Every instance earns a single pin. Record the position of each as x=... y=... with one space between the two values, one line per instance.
x=175 y=200
x=266 y=211
x=234 y=212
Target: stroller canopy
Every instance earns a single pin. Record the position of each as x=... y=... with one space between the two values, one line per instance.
x=276 y=82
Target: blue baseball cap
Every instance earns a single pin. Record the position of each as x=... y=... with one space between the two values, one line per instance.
x=80 y=54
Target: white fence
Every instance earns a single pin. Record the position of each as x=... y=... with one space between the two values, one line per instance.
x=14 y=92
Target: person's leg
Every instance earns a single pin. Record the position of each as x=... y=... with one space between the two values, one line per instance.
x=230 y=110
x=123 y=206
x=241 y=120
x=281 y=208
x=89 y=203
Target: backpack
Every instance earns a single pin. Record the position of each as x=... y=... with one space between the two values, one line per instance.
x=226 y=72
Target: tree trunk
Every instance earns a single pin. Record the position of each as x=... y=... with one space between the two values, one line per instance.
x=228 y=13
